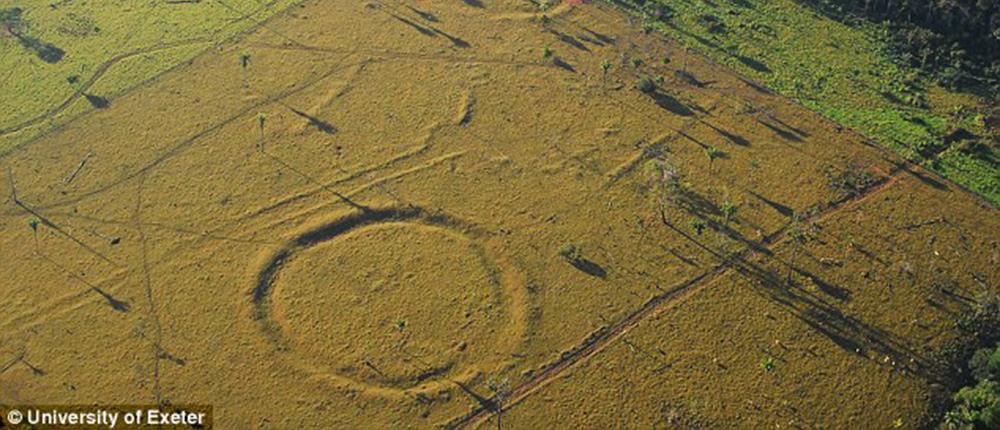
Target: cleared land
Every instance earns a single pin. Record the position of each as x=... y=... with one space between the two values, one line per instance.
x=362 y=228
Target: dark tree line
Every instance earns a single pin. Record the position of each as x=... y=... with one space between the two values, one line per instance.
x=956 y=40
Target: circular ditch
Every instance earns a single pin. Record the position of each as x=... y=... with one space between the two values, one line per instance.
x=391 y=299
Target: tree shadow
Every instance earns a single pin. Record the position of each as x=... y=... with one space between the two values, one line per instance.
x=98 y=102
x=321 y=125
x=569 y=40
x=458 y=42
x=589 y=267
x=421 y=29
x=753 y=64
x=848 y=332
x=560 y=63
x=670 y=104
x=46 y=52
x=784 y=134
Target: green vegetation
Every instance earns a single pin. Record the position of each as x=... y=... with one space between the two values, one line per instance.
x=767 y=363
x=852 y=180
x=109 y=48
x=976 y=405
x=698 y=225
x=34 y=223
x=547 y=52
x=847 y=71
x=646 y=85
x=571 y=253
x=606 y=67
x=713 y=154
x=728 y=209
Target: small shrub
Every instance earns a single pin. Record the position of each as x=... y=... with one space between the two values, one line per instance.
x=698 y=225
x=34 y=223
x=768 y=364
x=400 y=324
x=636 y=62
x=571 y=253
x=606 y=66
x=728 y=209
x=646 y=85
x=547 y=52
x=851 y=180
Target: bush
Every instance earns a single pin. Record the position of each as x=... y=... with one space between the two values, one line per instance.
x=976 y=407
x=646 y=85
x=571 y=253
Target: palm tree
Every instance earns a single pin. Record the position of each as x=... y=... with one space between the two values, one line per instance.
x=261 y=118
x=728 y=210
x=34 y=223
x=712 y=153
x=606 y=67
x=799 y=234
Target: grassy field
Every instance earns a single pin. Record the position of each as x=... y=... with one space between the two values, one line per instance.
x=843 y=71
x=442 y=214
x=97 y=51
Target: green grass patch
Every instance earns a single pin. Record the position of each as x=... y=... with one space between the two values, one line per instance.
x=845 y=72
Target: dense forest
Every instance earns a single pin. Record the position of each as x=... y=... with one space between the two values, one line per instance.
x=958 y=41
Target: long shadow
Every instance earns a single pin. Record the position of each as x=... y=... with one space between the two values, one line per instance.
x=421 y=29
x=457 y=41
x=928 y=180
x=846 y=331
x=569 y=40
x=754 y=64
x=473 y=3
x=780 y=208
x=732 y=137
x=484 y=402
x=670 y=104
x=321 y=125
x=785 y=134
x=46 y=52
x=98 y=102
x=603 y=39
x=589 y=267
x=117 y=305
x=562 y=64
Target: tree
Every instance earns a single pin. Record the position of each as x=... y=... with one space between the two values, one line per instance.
x=976 y=407
x=547 y=53
x=571 y=253
x=728 y=210
x=501 y=392
x=698 y=225
x=261 y=118
x=666 y=181
x=11 y=21
x=799 y=234
x=34 y=223
x=244 y=59
x=646 y=85
x=713 y=154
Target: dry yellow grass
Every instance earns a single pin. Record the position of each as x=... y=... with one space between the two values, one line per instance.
x=385 y=248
